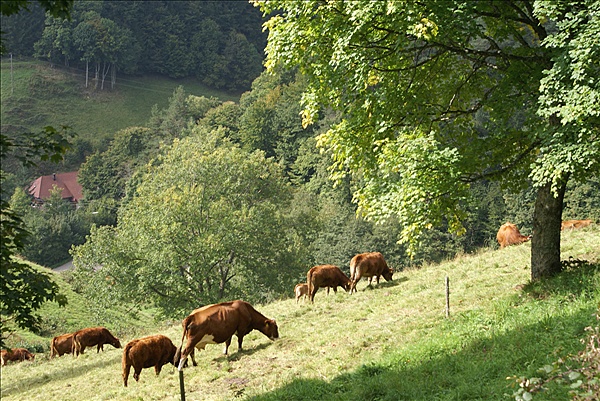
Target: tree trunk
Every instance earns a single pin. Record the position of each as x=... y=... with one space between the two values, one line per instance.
x=87 y=70
x=545 y=244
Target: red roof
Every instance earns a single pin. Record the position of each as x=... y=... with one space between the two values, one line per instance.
x=40 y=188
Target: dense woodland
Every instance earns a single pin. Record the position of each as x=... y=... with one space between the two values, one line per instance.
x=219 y=42
x=211 y=196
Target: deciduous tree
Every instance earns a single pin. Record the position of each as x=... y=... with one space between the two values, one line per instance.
x=438 y=95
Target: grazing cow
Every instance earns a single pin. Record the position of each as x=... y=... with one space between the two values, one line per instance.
x=509 y=234
x=370 y=264
x=215 y=324
x=147 y=352
x=16 y=354
x=61 y=345
x=93 y=336
x=301 y=290
x=574 y=224
x=326 y=276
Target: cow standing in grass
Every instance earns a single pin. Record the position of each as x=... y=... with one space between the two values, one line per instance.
x=93 y=336
x=216 y=324
x=326 y=276
x=61 y=345
x=370 y=264
x=301 y=290
x=147 y=352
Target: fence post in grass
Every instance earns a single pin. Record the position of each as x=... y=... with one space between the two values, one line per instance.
x=447 y=297
x=181 y=387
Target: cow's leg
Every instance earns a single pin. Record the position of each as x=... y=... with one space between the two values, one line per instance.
x=335 y=289
x=311 y=296
x=193 y=356
x=136 y=373
x=98 y=348
x=126 y=374
x=157 y=369
x=240 y=340
x=227 y=344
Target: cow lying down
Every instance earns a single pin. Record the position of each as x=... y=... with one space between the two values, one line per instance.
x=216 y=324
x=147 y=352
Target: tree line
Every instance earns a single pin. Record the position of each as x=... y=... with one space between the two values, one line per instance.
x=220 y=43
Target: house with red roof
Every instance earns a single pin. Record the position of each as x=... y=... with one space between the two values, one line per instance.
x=71 y=190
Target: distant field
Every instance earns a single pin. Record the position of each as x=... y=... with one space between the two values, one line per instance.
x=35 y=95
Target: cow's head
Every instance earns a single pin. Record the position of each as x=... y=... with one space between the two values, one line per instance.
x=387 y=274
x=347 y=286
x=270 y=329
x=116 y=343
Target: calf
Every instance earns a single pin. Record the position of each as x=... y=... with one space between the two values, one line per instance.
x=370 y=264
x=326 y=276
x=301 y=290
x=61 y=345
x=509 y=234
x=574 y=224
x=146 y=352
x=215 y=324
x=16 y=354
x=93 y=336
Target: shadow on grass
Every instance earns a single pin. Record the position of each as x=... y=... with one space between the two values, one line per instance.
x=66 y=373
x=471 y=357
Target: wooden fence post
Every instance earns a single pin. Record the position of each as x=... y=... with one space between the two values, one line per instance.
x=181 y=387
x=447 y=297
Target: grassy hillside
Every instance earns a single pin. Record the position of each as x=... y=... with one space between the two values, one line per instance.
x=35 y=95
x=391 y=342
x=77 y=314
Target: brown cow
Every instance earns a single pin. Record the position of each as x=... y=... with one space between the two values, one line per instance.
x=61 y=345
x=301 y=290
x=325 y=276
x=215 y=324
x=574 y=224
x=93 y=336
x=16 y=354
x=509 y=234
x=146 y=352
x=370 y=264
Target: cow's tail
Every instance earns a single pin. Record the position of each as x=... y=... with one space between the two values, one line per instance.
x=53 y=350
x=177 y=359
x=126 y=362
x=75 y=346
x=309 y=281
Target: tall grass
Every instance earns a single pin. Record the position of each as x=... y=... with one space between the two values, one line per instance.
x=387 y=342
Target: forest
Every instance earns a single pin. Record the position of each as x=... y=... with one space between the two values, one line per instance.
x=209 y=197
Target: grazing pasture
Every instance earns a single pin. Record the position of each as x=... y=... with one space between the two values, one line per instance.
x=389 y=342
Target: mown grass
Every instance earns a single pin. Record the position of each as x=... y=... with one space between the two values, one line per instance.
x=35 y=95
x=389 y=342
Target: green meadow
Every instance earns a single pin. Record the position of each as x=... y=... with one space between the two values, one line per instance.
x=35 y=95
x=391 y=341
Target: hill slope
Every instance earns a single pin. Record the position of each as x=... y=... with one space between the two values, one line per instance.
x=390 y=342
x=35 y=95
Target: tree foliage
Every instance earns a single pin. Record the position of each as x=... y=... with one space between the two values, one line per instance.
x=207 y=223
x=435 y=96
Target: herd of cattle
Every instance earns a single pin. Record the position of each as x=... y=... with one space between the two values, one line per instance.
x=217 y=323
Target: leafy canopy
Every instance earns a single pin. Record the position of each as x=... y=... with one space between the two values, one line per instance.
x=207 y=223
x=438 y=95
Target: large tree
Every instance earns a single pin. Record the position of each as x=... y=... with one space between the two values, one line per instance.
x=207 y=223
x=437 y=95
